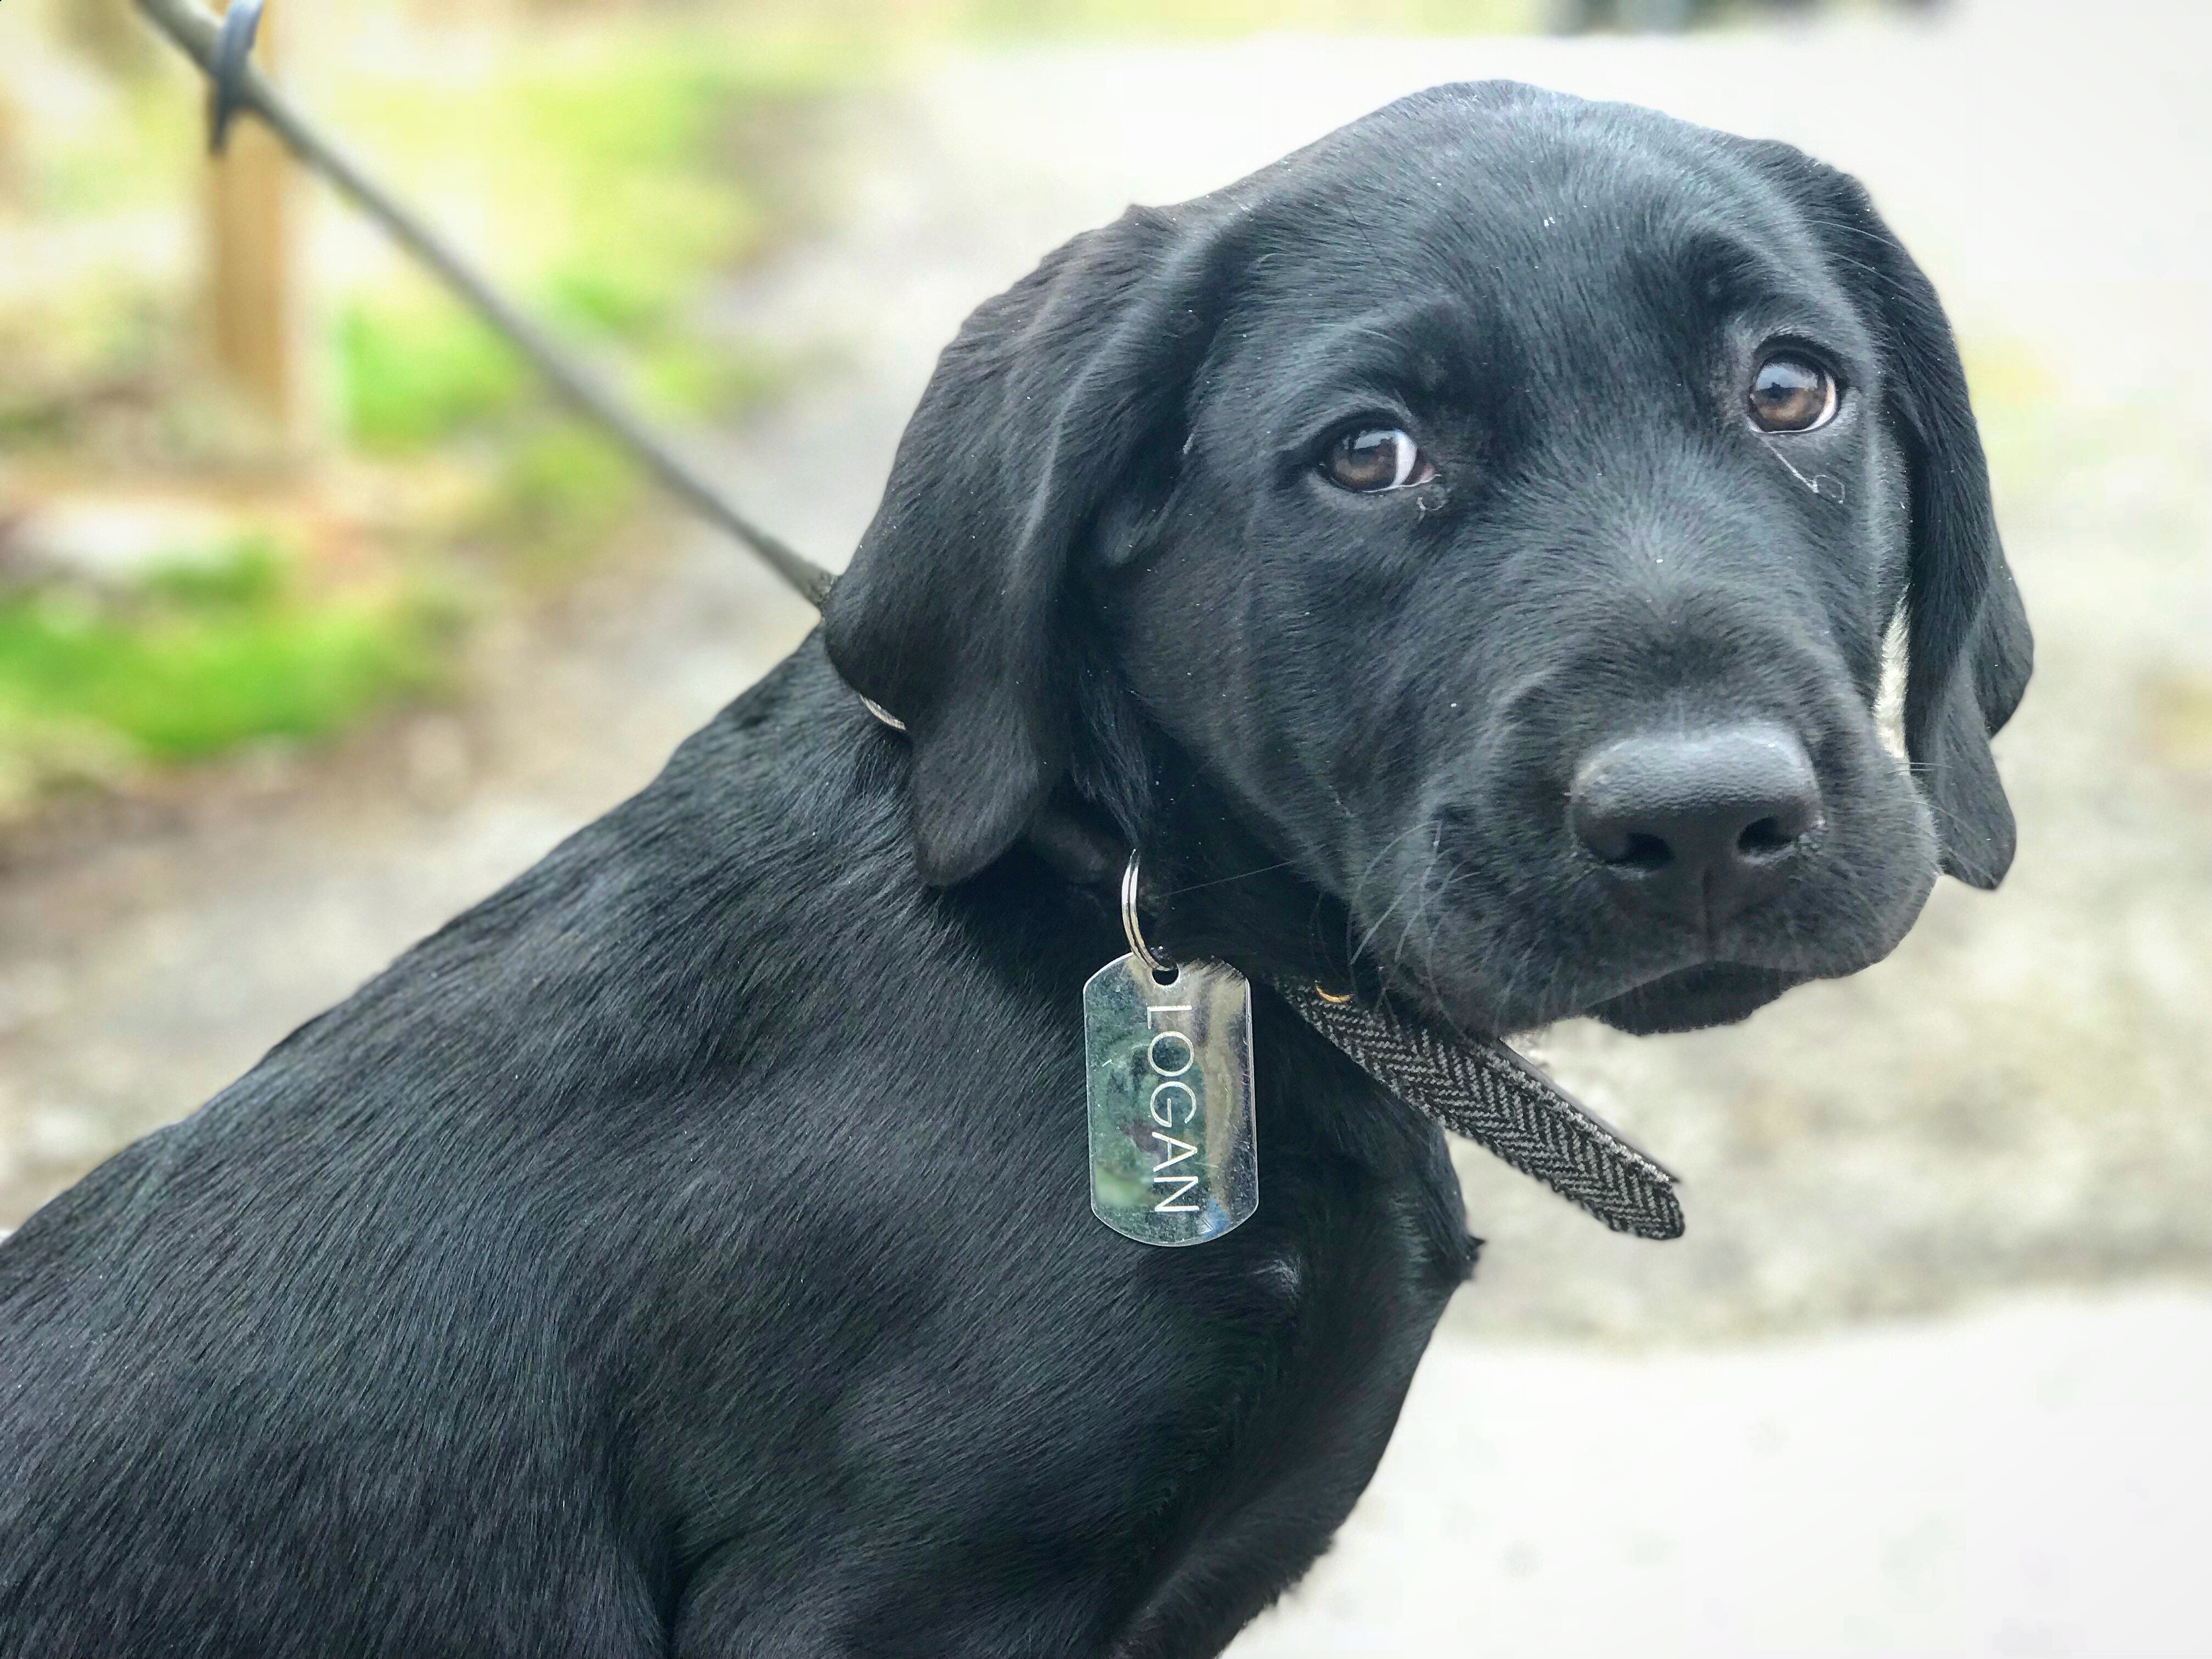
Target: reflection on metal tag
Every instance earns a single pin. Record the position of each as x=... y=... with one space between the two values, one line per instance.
x=1172 y=1157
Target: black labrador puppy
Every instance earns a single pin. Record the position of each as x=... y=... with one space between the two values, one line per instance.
x=1459 y=556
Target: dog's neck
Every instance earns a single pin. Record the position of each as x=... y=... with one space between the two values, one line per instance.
x=1215 y=890
x=1215 y=884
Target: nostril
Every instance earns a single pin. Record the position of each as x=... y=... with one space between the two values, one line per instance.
x=1765 y=839
x=1797 y=815
x=1644 y=852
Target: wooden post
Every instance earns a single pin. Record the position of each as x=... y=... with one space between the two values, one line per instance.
x=253 y=268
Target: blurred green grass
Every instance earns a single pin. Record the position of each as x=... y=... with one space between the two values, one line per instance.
x=610 y=173
x=612 y=176
x=200 y=656
x=411 y=376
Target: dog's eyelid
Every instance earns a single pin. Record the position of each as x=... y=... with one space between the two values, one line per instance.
x=1806 y=344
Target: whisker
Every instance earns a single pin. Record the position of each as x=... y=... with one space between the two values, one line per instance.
x=1241 y=875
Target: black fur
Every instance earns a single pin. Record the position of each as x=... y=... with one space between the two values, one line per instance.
x=687 y=1251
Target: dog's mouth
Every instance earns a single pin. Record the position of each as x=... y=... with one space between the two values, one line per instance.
x=1493 y=985
x=1712 y=993
x=1681 y=999
x=1498 y=962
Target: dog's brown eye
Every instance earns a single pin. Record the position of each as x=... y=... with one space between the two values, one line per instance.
x=1377 y=458
x=1788 y=394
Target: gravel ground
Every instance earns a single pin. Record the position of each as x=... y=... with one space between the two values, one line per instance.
x=2016 y=1104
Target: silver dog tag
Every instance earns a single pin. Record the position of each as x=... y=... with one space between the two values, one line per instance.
x=1173 y=1156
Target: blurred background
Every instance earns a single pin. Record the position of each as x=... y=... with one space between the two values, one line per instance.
x=318 y=620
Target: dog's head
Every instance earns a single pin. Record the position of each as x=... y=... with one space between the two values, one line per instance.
x=1503 y=508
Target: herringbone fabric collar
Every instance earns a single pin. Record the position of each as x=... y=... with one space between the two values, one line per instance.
x=1490 y=1094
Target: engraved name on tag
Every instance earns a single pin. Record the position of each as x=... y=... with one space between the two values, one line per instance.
x=1172 y=1157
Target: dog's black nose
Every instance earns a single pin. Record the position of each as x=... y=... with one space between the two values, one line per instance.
x=1701 y=824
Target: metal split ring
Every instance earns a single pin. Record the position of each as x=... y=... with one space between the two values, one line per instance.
x=1162 y=966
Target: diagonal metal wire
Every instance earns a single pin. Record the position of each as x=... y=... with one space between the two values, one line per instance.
x=198 y=33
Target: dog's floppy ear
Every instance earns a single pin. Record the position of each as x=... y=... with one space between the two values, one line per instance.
x=950 y=616
x=1967 y=635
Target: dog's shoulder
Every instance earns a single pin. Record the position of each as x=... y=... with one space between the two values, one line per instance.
x=393 y=1260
